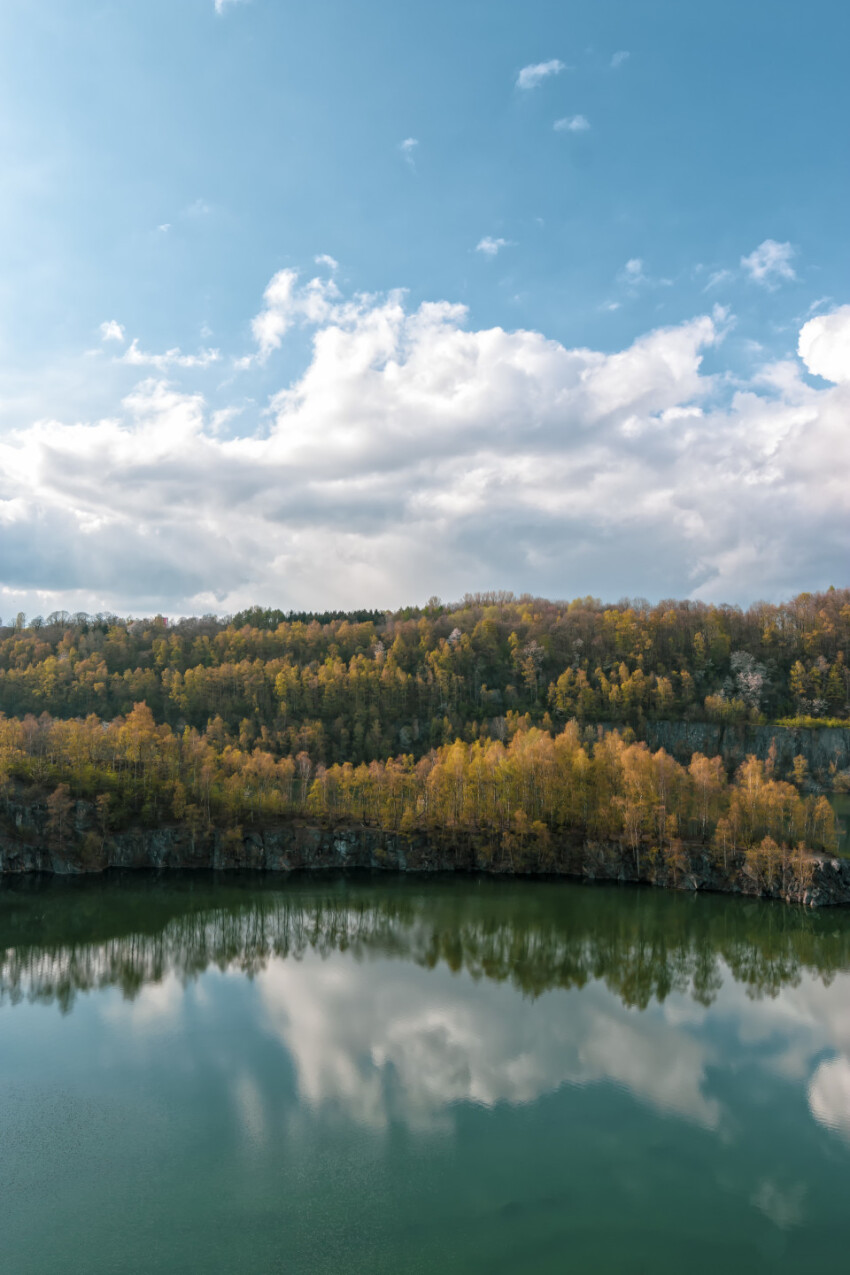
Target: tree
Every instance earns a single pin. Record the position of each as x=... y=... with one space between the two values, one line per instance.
x=59 y=810
x=801 y=771
x=762 y=865
x=802 y=871
x=723 y=842
x=675 y=858
x=103 y=805
x=709 y=781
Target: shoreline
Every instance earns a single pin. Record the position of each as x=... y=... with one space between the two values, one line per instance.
x=812 y=881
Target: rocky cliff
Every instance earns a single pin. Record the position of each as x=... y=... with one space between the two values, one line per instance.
x=26 y=846
x=822 y=747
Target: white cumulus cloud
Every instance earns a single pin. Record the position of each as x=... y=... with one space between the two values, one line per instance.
x=413 y=1043
x=824 y=345
x=770 y=263
x=111 y=330
x=285 y=303
x=417 y=454
x=530 y=76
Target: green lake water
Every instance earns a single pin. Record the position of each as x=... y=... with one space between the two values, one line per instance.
x=256 y=1075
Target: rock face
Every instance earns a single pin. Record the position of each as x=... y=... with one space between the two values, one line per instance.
x=821 y=747
x=25 y=846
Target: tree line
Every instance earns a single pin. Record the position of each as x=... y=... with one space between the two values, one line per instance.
x=361 y=686
x=518 y=803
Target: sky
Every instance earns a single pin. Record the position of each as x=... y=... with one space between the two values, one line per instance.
x=333 y=305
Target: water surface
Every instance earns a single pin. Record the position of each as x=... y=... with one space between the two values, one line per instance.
x=244 y=1074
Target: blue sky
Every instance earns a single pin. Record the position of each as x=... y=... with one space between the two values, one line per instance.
x=578 y=177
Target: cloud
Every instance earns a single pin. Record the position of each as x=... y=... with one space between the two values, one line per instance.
x=324 y=259
x=782 y=1206
x=803 y=1035
x=530 y=76
x=572 y=124
x=407 y=1043
x=491 y=247
x=111 y=330
x=633 y=272
x=171 y=358
x=618 y=59
x=200 y=207
x=829 y=1094
x=824 y=345
x=717 y=277
x=416 y=454
x=407 y=148
x=770 y=263
x=287 y=304
x=221 y=5
x=155 y=1005
x=634 y=276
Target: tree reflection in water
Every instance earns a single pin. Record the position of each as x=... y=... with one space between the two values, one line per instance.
x=60 y=936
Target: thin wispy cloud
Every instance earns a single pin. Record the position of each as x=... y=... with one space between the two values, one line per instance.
x=491 y=247
x=198 y=208
x=408 y=149
x=770 y=263
x=325 y=259
x=111 y=330
x=222 y=5
x=136 y=357
x=530 y=76
x=633 y=273
x=619 y=58
x=572 y=124
x=717 y=278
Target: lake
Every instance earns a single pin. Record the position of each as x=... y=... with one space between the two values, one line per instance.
x=250 y=1074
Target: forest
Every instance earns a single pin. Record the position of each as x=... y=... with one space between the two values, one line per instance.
x=505 y=720
x=364 y=686
x=509 y=800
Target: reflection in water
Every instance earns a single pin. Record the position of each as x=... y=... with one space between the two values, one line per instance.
x=58 y=937
x=423 y=1043
x=416 y=1039
x=359 y=1072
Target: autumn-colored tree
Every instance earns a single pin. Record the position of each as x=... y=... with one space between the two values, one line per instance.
x=59 y=810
